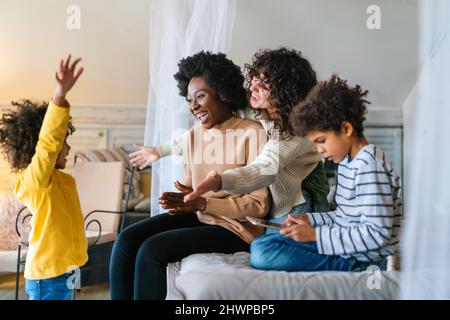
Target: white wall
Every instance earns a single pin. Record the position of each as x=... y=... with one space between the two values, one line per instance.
x=114 y=43
x=334 y=37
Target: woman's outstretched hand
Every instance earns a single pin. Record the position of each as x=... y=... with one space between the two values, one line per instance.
x=212 y=182
x=66 y=76
x=145 y=156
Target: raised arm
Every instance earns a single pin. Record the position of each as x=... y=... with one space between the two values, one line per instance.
x=54 y=127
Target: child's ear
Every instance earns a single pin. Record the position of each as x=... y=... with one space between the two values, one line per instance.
x=347 y=128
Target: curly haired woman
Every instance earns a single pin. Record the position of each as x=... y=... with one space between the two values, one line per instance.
x=213 y=87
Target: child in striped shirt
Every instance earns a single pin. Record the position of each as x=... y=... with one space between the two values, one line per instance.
x=364 y=229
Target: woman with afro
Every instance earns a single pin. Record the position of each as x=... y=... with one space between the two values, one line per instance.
x=214 y=88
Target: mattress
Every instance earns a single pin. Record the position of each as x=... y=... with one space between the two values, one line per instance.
x=230 y=277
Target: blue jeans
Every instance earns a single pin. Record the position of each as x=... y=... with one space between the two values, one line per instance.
x=307 y=206
x=50 y=289
x=278 y=252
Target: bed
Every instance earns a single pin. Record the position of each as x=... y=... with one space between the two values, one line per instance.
x=230 y=277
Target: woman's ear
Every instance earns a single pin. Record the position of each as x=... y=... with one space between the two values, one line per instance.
x=221 y=98
x=347 y=128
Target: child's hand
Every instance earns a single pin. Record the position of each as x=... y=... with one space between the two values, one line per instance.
x=299 y=229
x=66 y=76
x=291 y=220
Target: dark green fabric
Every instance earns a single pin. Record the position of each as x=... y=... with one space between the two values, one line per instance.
x=316 y=183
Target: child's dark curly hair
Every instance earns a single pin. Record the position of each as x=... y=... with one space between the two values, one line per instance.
x=328 y=105
x=219 y=73
x=19 y=132
x=289 y=77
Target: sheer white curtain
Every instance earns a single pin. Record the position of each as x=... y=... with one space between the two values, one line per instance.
x=178 y=28
x=426 y=238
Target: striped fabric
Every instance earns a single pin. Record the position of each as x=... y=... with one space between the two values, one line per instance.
x=366 y=223
x=110 y=155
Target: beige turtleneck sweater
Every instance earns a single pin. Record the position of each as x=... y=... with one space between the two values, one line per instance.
x=229 y=145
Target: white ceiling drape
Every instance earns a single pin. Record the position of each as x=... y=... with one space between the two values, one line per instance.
x=426 y=238
x=178 y=28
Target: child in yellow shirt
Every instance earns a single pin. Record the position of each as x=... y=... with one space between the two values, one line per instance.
x=33 y=138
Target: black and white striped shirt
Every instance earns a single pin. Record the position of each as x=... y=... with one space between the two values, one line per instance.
x=366 y=223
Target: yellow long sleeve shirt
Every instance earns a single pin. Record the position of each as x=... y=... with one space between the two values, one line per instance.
x=57 y=241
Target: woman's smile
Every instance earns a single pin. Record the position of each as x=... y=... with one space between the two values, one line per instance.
x=202 y=116
x=205 y=105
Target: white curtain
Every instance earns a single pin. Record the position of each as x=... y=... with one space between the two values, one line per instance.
x=178 y=28
x=426 y=238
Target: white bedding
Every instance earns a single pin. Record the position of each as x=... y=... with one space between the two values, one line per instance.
x=230 y=277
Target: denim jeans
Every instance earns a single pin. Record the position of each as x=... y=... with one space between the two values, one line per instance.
x=307 y=206
x=50 y=289
x=278 y=252
x=273 y=251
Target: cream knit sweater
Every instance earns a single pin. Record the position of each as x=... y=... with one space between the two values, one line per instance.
x=229 y=145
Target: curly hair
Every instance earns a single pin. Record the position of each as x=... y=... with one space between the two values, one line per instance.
x=219 y=73
x=328 y=105
x=289 y=77
x=19 y=132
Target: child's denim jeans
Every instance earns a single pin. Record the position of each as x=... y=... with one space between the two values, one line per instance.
x=277 y=252
x=50 y=289
x=307 y=206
